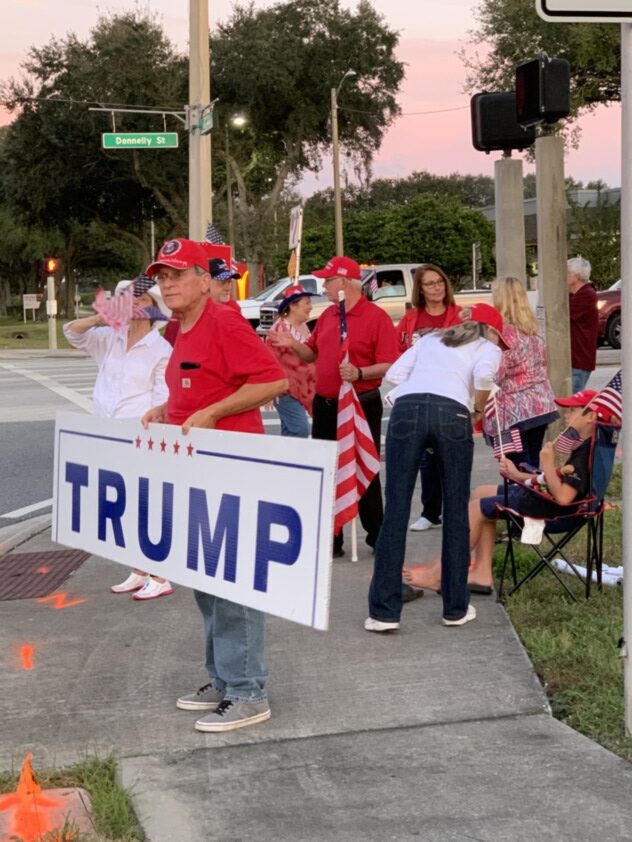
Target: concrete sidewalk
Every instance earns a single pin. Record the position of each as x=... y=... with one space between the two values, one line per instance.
x=431 y=733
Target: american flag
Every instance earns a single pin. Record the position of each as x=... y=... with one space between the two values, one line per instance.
x=609 y=401
x=511 y=442
x=213 y=235
x=568 y=441
x=117 y=311
x=358 y=460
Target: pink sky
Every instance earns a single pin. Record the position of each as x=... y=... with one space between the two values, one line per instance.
x=431 y=35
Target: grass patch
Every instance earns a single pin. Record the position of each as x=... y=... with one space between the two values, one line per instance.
x=574 y=645
x=35 y=334
x=112 y=811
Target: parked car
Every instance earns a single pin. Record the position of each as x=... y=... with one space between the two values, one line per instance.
x=609 y=309
x=251 y=307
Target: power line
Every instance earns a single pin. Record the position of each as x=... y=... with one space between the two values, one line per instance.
x=409 y=113
x=158 y=108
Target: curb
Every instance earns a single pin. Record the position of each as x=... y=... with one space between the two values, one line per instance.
x=17 y=534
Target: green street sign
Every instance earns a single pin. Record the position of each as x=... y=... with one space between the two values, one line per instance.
x=128 y=140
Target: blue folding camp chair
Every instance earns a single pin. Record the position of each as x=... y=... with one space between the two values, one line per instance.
x=558 y=531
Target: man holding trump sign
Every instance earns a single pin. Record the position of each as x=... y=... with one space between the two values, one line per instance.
x=219 y=374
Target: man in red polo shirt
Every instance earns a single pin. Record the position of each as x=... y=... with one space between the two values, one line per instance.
x=372 y=349
x=219 y=374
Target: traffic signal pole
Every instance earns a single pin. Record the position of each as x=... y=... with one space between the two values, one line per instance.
x=510 y=240
x=552 y=309
x=51 y=313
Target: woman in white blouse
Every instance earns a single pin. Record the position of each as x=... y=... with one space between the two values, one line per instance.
x=130 y=380
x=443 y=383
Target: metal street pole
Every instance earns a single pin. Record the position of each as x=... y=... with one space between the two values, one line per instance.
x=336 y=159
x=626 y=350
x=229 y=195
x=335 y=146
x=200 y=201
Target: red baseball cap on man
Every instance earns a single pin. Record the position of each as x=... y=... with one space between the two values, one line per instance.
x=179 y=254
x=487 y=315
x=340 y=267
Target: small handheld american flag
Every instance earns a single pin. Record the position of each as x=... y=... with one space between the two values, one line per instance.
x=568 y=441
x=213 y=235
x=609 y=401
x=511 y=443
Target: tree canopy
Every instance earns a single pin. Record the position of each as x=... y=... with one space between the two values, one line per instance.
x=428 y=228
x=510 y=31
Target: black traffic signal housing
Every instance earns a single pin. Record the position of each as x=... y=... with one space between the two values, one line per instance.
x=543 y=90
x=494 y=125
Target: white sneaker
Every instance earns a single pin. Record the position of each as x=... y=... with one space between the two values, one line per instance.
x=133 y=582
x=379 y=625
x=421 y=524
x=470 y=614
x=153 y=589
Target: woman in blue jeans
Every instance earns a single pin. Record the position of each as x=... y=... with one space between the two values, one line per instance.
x=442 y=381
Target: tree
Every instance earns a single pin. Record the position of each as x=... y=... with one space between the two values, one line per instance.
x=277 y=67
x=429 y=228
x=53 y=171
x=509 y=31
x=595 y=233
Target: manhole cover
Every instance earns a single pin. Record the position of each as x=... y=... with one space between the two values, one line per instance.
x=33 y=575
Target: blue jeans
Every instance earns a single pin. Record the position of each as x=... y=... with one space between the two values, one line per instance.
x=431 y=496
x=580 y=378
x=417 y=422
x=235 y=641
x=294 y=418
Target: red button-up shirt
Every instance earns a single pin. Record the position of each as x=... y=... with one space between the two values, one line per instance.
x=372 y=340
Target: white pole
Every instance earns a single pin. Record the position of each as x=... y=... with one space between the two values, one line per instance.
x=626 y=350
x=200 y=207
x=51 y=312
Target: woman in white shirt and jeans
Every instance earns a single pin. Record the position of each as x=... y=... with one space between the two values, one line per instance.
x=131 y=379
x=443 y=383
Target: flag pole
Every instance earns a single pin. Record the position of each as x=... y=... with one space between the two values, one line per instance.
x=354 y=522
x=497 y=417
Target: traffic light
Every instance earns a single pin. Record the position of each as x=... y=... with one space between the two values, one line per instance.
x=543 y=90
x=494 y=123
x=51 y=264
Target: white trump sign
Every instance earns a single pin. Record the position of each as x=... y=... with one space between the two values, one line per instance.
x=245 y=517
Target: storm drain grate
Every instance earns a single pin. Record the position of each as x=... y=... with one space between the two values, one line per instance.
x=33 y=575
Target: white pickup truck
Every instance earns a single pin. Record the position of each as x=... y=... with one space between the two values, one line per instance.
x=250 y=307
x=390 y=286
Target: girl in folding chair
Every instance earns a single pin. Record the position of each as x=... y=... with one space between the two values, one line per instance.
x=570 y=484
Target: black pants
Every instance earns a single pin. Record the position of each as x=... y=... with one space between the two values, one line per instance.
x=324 y=425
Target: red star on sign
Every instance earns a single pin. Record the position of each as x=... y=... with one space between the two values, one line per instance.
x=138 y=441
x=176 y=448
x=163 y=446
x=190 y=449
x=150 y=444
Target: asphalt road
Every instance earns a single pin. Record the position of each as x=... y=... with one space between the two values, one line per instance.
x=31 y=391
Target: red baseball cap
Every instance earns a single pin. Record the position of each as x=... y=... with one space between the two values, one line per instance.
x=582 y=398
x=343 y=267
x=179 y=254
x=291 y=294
x=487 y=315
